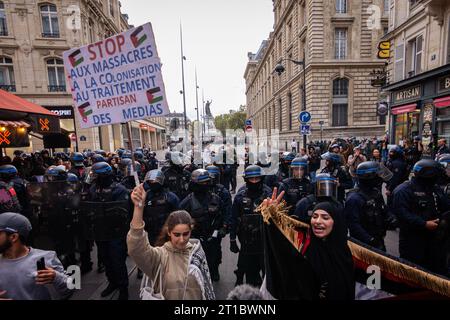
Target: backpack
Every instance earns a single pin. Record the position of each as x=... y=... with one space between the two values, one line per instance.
x=8 y=198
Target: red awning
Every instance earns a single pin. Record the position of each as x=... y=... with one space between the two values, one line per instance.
x=404 y=109
x=11 y=102
x=442 y=102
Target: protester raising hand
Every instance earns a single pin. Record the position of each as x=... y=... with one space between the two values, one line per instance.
x=138 y=197
x=274 y=200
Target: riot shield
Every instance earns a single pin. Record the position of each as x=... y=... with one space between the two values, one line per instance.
x=250 y=234
x=105 y=221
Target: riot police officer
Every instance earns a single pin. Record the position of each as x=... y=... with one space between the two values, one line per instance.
x=124 y=175
x=208 y=212
x=366 y=212
x=325 y=190
x=246 y=224
x=297 y=186
x=158 y=204
x=152 y=161
x=78 y=169
x=333 y=166
x=398 y=166
x=109 y=202
x=444 y=160
x=176 y=179
x=13 y=195
x=61 y=201
x=420 y=205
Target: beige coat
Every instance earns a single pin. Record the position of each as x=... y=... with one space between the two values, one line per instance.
x=174 y=265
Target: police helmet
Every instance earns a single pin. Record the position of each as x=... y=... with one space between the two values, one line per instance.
x=326 y=186
x=288 y=157
x=298 y=163
x=56 y=173
x=101 y=168
x=98 y=158
x=214 y=171
x=174 y=157
x=155 y=176
x=120 y=152
x=126 y=155
x=444 y=160
x=396 y=150
x=334 y=146
x=199 y=176
x=8 y=172
x=333 y=157
x=138 y=155
x=72 y=178
x=427 y=169
x=367 y=170
x=100 y=152
x=253 y=171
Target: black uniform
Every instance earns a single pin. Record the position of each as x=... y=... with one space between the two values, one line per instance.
x=415 y=204
x=295 y=190
x=247 y=226
x=176 y=180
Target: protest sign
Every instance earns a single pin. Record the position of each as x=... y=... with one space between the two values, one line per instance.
x=118 y=79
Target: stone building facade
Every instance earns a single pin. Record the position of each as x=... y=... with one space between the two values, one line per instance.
x=33 y=36
x=339 y=40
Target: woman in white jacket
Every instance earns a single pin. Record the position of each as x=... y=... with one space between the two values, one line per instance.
x=181 y=260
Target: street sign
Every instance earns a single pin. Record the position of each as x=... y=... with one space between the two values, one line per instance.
x=304 y=117
x=248 y=122
x=305 y=129
x=248 y=128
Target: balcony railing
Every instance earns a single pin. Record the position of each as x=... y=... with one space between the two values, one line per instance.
x=56 y=88
x=3 y=33
x=8 y=87
x=50 y=34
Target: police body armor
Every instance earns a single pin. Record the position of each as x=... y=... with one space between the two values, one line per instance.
x=156 y=212
x=206 y=219
x=56 y=203
x=373 y=214
x=426 y=204
x=176 y=182
x=296 y=191
x=250 y=227
x=105 y=219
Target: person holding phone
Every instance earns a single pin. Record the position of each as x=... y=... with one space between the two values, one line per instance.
x=27 y=273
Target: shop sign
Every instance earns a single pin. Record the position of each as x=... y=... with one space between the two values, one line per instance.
x=62 y=112
x=444 y=84
x=407 y=94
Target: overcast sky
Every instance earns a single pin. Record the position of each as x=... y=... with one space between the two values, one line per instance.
x=217 y=35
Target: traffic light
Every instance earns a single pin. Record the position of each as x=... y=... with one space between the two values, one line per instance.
x=384 y=50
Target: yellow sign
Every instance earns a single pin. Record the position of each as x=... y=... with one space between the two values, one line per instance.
x=384 y=50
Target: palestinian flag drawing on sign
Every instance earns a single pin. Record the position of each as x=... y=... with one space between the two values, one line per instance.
x=85 y=111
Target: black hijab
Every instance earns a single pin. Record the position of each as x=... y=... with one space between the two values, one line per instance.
x=331 y=258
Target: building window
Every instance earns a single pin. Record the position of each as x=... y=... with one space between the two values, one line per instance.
x=50 y=26
x=392 y=15
x=340 y=103
x=56 y=78
x=340 y=35
x=341 y=6
x=290 y=111
x=289 y=32
x=111 y=7
x=399 y=57
x=414 y=56
x=413 y=3
x=280 y=114
x=3 y=26
x=7 y=81
x=91 y=31
x=386 y=5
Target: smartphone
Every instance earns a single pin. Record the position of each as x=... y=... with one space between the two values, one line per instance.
x=40 y=264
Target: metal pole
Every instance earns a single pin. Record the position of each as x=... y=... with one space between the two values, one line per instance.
x=203 y=99
x=304 y=93
x=182 y=76
x=196 y=99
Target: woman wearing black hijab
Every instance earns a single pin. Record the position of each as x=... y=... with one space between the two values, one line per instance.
x=331 y=261
x=329 y=253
